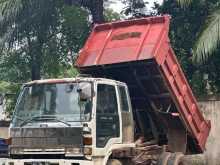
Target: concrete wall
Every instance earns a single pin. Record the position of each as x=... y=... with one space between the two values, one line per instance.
x=211 y=109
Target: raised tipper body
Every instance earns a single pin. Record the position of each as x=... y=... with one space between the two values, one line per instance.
x=139 y=52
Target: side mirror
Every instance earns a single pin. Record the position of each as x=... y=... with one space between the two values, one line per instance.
x=1 y=99
x=85 y=90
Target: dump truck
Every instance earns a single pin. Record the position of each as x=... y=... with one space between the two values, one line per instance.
x=131 y=104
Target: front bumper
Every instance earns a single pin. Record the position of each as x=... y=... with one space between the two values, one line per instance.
x=44 y=162
x=67 y=152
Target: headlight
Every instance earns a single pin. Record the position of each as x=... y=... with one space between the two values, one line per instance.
x=87 y=150
x=73 y=152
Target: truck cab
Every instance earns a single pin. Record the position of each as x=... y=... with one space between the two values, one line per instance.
x=71 y=118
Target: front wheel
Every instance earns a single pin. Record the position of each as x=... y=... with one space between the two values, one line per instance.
x=163 y=158
x=114 y=162
x=176 y=159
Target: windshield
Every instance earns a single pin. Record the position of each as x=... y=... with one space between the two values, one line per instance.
x=62 y=101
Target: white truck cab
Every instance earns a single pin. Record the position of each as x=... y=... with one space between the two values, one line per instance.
x=81 y=119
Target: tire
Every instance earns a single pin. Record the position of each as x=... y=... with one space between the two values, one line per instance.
x=114 y=162
x=163 y=158
x=176 y=159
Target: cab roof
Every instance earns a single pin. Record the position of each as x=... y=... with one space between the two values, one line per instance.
x=68 y=80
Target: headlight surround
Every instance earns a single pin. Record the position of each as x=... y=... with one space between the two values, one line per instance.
x=74 y=152
x=87 y=140
x=87 y=150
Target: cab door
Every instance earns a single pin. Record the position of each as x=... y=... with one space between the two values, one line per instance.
x=126 y=115
x=107 y=117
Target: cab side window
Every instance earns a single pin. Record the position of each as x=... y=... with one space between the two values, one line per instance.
x=106 y=99
x=123 y=99
x=107 y=119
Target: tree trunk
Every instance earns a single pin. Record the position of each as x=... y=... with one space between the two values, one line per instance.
x=36 y=60
x=35 y=67
x=97 y=11
x=35 y=52
x=95 y=6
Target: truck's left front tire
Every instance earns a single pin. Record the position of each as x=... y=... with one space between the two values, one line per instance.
x=114 y=162
x=176 y=159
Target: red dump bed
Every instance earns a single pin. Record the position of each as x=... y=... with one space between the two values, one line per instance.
x=133 y=42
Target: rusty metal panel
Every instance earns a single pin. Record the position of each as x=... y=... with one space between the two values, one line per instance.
x=141 y=40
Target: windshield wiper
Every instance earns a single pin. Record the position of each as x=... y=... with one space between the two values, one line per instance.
x=18 y=117
x=55 y=119
x=29 y=120
x=44 y=117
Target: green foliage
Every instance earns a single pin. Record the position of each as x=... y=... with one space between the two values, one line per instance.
x=11 y=91
x=14 y=67
x=68 y=72
x=60 y=52
x=213 y=71
x=4 y=87
x=60 y=40
x=185 y=25
x=75 y=27
x=48 y=40
x=199 y=84
x=208 y=40
x=43 y=32
x=110 y=15
x=184 y=3
x=27 y=26
x=135 y=8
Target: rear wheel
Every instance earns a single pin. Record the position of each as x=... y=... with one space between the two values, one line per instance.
x=163 y=158
x=176 y=159
x=114 y=162
x=124 y=161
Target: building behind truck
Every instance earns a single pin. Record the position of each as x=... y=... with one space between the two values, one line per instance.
x=130 y=105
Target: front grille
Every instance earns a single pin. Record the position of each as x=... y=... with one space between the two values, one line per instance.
x=50 y=140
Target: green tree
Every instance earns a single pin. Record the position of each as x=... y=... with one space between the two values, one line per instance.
x=29 y=25
x=47 y=33
x=10 y=92
x=208 y=38
x=110 y=15
x=185 y=24
x=48 y=43
x=96 y=7
x=135 y=8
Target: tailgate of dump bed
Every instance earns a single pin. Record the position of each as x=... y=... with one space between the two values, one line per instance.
x=141 y=40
